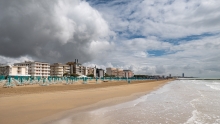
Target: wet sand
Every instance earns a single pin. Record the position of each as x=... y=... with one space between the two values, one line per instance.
x=41 y=104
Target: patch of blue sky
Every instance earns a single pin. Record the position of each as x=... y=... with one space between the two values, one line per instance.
x=99 y=1
x=129 y=35
x=177 y=41
x=112 y=2
x=135 y=36
x=160 y=52
x=156 y=52
x=132 y=12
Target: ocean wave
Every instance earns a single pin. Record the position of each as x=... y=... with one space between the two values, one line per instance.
x=215 y=87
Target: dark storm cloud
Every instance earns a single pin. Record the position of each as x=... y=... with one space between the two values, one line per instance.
x=49 y=30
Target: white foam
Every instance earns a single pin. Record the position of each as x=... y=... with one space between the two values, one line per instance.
x=217 y=83
x=215 y=87
x=194 y=118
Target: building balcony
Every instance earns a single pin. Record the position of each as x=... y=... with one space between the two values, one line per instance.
x=59 y=67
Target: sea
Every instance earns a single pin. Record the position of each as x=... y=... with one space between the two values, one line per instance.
x=178 y=102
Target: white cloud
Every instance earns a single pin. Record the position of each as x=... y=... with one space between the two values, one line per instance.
x=158 y=20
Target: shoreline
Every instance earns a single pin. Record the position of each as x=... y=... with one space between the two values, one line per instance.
x=48 y=106
x=36 y=88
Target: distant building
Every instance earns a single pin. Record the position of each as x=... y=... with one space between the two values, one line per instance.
x=41 y=69
x=8 y=70
x=77 y=68
x=183 y=75
x=119 y=72
x=128 y=73
x=59 y=69
x=111 y=72
x=170 y=75
x=115 y=72
x=91 y=71
x=100 y=73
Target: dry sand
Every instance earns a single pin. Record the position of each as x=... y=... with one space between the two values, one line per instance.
x=43 y=103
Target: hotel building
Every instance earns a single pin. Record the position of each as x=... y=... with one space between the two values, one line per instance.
x=119 y=72
x=91 y=70
x=59 y=69
x=115 y=72
x=111 y=71
x=77 y=68
x=128 y=73
x=41 y=69
x=8 y=70
x=100 y=73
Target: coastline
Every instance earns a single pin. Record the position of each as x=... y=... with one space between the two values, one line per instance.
x=48 y=106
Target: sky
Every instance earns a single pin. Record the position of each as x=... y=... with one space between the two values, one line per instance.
x=152 y=37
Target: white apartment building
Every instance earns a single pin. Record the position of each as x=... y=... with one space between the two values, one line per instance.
x=58 y=69
x=8 y=70
x=41 y=69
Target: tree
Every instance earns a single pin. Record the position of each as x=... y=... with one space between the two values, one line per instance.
x=74 y=75
x=106 y=75
x=90 y=75
x=65 y=74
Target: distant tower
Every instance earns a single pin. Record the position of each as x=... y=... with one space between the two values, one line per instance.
x=183 y=75
x=170 y=75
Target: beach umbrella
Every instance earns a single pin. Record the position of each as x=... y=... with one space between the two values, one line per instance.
x=9 y=81
x=129 y=81
x=66 y=80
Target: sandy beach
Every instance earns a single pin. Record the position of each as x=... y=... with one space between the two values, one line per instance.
x=40 y=104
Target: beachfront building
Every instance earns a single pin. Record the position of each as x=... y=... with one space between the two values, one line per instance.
x=59 y=69
x=100 y=73
x=111 y=71
x=40 y=69
x=3 y=70
x=77 y=68
x=91 y=71
x=8 y=70
x=128 y=73
x=120 y=73
x=115 y=72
